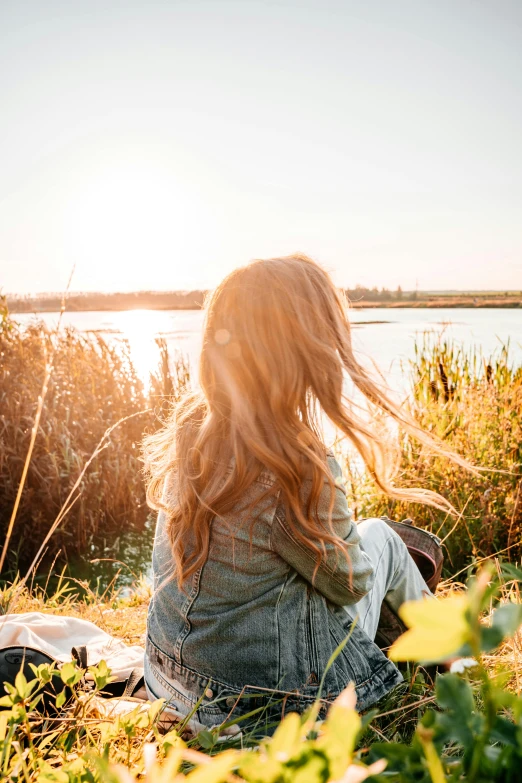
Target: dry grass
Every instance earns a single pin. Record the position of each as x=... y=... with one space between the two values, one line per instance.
x=92 y=388
x=473 y=404
x=123 y=615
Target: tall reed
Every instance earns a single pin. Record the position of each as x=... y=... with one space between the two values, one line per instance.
x=474 y=403
x=92 y=387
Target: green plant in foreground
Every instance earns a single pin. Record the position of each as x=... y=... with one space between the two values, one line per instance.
x=472 y=732
x=476 y=735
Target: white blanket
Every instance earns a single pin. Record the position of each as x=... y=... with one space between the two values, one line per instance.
x=57 y=635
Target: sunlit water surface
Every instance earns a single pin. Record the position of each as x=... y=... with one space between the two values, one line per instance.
x=386 y=336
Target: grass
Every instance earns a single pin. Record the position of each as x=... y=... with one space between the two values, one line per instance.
x=87 y=742
x=94 y=402
x=121 y=614
x=474 y=404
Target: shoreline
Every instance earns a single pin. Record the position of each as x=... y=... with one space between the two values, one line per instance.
x=427 y=304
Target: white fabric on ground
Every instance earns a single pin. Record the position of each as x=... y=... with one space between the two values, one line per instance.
x=57 y=635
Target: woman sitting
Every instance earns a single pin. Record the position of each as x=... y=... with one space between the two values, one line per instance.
x=260 y=571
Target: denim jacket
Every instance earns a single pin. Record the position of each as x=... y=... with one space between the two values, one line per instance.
x=254 y=620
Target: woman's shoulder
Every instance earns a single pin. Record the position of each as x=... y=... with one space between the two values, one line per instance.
x=335 y=471
x=333 y=464
x=268 y=478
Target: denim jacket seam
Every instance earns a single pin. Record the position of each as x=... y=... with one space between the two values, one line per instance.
x=324 y=567
x=264 y=477
x=209 y=708
x=277 y=622
x=386 y=664
x=185 y=611
x=274 y=516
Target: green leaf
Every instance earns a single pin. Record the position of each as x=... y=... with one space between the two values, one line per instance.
x=454 y=694
x=217 y=771
x=19 y=713
x=339 y=732
x=70 y=673
x=286 y=739
x=34 y=703
x=44 y=672
x=60 y=699
x=432 y=757
x=451 y=728
x=506 y=621
x=508 y=618
x=52 y=775
x=436 y=629
x=101 y=675
x=136 y=719
x=511 y=571
x=258 y=768
x=312 y=768
x=505 y=731
x=206 y=739
x=11 y=690
x=21 y=685
x=171 y=740
x=155 y=709
x=504 y=698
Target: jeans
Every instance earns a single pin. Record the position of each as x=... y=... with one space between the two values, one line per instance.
x=396 y=580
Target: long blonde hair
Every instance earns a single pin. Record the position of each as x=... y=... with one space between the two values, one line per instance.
x=276 y=350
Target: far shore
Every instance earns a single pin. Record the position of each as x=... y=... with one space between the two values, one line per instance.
x=359 y=297
x=25 y=306
x=443 y=301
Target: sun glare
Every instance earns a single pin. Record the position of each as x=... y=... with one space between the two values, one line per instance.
x=138 y=328
x=141 y=328
x=130 y=217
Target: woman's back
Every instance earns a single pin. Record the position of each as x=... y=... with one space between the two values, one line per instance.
x=250 y=615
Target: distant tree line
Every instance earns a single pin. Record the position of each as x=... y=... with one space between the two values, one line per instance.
x=138 y=300
x=360 y=293
x=193 y=300
x=159 y=300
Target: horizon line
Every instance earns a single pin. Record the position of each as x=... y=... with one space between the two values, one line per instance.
x=456 y=291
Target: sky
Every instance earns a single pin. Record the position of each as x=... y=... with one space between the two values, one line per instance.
x=160 y=144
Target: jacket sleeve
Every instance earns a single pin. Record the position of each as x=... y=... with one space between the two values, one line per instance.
x=341 y=580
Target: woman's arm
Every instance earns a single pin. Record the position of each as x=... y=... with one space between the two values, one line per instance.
x=341 y=580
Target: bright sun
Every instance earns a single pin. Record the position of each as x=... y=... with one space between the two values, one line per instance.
x=125 y=217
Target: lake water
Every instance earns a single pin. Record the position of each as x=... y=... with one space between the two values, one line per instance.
x=384 y=335
x=387 y=336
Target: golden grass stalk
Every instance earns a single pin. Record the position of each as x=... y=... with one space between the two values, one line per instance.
x=28 y=456
x=69 y=501
x=34 y=431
